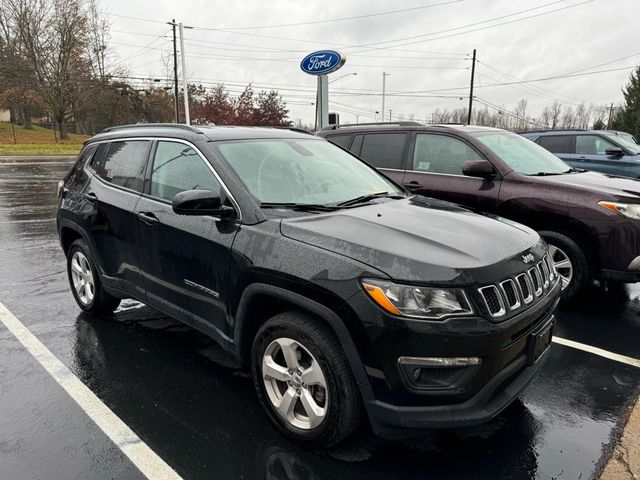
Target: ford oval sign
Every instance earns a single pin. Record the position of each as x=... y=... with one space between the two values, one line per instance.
x=322 y=62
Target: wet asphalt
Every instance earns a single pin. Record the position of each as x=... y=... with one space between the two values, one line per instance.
x=170 y=384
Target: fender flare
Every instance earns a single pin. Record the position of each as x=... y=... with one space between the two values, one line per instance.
x=305 y=303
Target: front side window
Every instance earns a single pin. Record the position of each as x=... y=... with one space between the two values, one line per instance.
x=524 y=156
x=122 y=163
x=302 y=171
x=441 y=154
x=625 y=140
x=556 y=143
x=178 y=167
x=384 y=150
x=592 y=145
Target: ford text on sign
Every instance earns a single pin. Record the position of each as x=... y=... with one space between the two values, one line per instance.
x=322 y=62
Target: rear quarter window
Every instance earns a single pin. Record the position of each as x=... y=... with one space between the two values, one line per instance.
x=340 y=140
x=77 y=177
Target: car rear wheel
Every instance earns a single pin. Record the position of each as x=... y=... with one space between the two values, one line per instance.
x=85 y=281
x=570 y=262
x=303 y=380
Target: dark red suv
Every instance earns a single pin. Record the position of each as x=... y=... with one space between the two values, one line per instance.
x=590 y=220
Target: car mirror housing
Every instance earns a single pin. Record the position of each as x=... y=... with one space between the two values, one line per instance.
x=200 y=202
x=479 y=168
x=618 y=152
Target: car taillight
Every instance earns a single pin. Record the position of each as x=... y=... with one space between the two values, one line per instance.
x=60 y=188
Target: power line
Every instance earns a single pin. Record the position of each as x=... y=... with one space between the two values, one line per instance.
x=422 y=36
x=343 y=19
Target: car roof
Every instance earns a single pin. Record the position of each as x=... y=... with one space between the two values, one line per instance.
x=197 y=132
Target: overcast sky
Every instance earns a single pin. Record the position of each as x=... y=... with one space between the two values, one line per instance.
x=426 y=48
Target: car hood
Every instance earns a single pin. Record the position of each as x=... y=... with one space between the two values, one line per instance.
x=608 y=185
x=421 y=239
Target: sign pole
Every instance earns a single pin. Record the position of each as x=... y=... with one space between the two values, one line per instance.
x=322 y=105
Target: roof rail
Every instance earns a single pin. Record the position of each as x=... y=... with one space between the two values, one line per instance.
x=553 y=130
x=399 y=124
x=179 y=126
x=293 y=129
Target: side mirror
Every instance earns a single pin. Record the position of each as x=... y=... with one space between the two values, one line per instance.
x=478 y=168
x=616 y=152
x=200 y=202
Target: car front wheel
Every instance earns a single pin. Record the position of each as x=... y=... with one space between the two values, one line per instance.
x=303 y=380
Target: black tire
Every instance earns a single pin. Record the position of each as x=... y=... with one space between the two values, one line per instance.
x=101 y=303
x=581 y=277
x=343 y=403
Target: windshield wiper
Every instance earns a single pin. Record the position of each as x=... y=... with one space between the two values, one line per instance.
x=302 y=207
x=544 y=174
x=575 y=170
x=369 y=197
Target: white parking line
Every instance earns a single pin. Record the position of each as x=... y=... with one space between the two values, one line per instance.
x=145 y=459
x=634 y=362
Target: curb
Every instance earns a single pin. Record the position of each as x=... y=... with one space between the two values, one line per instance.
x=624 y=463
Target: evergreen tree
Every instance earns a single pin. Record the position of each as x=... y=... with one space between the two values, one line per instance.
x=627 y=118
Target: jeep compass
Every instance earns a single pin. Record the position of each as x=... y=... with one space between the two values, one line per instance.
x=346 y=296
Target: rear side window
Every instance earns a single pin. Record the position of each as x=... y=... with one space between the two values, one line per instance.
x=384 y=150
x=592 y=145
x=178 y=167
x=441 y=154
x=122 y=163
x=340 y=140
x=556 y=143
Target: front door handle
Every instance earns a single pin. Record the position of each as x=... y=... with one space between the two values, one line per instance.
x=412 y=186
x=148 y=218
x=90 y=197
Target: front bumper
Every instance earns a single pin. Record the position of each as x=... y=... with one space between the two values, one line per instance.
x=397 y=409
x=391 y=421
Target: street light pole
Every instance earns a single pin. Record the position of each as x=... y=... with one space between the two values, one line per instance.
x=384 y=78
x=187 y=118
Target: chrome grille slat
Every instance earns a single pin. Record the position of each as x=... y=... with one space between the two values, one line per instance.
x=544 y=271
x=510 y=292
x=526 y=288
x=493 y=300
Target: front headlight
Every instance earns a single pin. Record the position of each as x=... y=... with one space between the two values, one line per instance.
x=630 y=210
x=417 y=302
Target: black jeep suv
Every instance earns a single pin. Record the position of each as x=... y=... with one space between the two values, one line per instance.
x=344 y=293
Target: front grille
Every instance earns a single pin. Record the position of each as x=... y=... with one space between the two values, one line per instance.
x=513 y=293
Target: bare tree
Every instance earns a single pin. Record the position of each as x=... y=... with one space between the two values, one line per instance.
x=52 y=33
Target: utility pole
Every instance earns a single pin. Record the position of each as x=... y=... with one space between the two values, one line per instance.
x=187 y=118
x=390 y=114
x=473 y=72
x=175 y=70
x=384 y=78
x=610 y=115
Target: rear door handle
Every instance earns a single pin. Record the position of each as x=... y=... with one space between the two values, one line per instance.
x=90 y=197
x=412 y=186
x=148 y=218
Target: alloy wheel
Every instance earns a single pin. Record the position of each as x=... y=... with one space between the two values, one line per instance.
x=295 y=383
x=82 y=278
x=562 y=264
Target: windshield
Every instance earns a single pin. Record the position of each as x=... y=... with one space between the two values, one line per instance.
x=302 y=171
x=521 y=154
x=624 y=142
